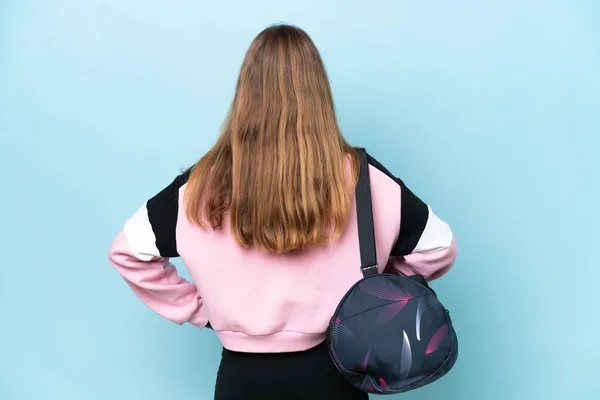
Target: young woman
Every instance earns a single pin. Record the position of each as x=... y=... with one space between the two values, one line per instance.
x=265 y=223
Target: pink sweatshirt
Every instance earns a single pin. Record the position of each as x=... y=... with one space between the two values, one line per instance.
x=264 y=303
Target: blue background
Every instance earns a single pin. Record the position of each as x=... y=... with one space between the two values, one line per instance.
x=489 y=110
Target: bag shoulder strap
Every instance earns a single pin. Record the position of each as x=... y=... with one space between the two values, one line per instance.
x=364 y=218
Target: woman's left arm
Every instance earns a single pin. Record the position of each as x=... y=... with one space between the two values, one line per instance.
x=426 y=245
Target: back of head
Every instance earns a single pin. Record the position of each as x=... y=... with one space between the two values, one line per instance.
x=279 y=168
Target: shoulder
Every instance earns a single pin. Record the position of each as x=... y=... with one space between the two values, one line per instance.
x=377 y=166
x=414 y=213
x=170 y=193
x=380 y=168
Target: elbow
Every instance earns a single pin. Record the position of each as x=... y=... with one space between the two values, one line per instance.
x=431 y=264
x=443 y=261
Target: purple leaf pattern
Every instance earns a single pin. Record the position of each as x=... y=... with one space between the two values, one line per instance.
x=390 y=311
x=383 y=385
x=437 y=339
x=385 y=291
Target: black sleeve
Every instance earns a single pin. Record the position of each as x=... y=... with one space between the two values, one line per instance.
x=414 y=214
x=162 y=214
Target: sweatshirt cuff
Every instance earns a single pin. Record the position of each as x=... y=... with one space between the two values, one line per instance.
x=198 y=318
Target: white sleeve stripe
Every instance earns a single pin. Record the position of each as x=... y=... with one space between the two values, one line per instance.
x=437 y=235
x=140 y=236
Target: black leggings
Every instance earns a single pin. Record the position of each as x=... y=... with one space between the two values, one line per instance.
x=305 y=375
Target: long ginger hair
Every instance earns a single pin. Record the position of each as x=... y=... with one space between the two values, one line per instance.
x=280 y=165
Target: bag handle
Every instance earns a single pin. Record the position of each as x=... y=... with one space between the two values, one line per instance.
x=364 y=218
